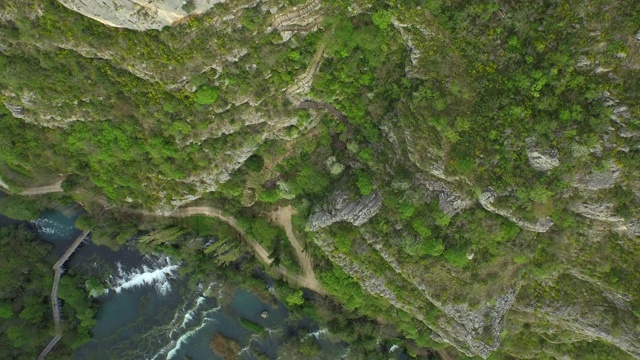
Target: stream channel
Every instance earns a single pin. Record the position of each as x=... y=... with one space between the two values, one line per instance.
x=151 y=311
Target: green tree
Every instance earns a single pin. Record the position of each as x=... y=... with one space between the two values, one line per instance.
x=364 y=183
x=254 y=163
x=84 y=222
x=295 y=298
x=206 y=95
x=382 y=19
x=19 y=208
x=5 y=311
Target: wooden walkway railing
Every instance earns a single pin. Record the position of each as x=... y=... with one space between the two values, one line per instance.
x=55 y=303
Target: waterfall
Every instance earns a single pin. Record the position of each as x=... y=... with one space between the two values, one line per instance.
x=317 y=334
x=153 y=271
x=185 y=320
x=49 y=226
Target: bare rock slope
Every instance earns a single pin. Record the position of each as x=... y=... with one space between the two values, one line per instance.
x=139 y=14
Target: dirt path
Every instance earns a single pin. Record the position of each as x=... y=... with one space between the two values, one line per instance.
x=302 y=85
x=258 y=250
x=56 y=187
x=443 y=354
x=38 y=190
x=282 y=216
x=290 y=148
x=55 y=303
x=307 y=280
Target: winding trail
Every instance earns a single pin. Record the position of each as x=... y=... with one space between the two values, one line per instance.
x=282 y=216
x=300 y=15
x=53 y=188
x=303 y=82
x=38 y=190
x=307 y=280
x=55 y=302
x=258 y=250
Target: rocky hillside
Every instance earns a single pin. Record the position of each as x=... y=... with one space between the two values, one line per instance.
x=472 y=169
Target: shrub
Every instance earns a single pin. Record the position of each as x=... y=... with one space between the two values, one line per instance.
x=382 y=19
x=456 y=257
x=364 y=183
x=18 y=208
x=251 y=325
x=269 y=196
x=295 y=298
x=420 y=226
x=406 y=210
x=264 y=232
x=84 y=222
x=206 y=95
x=5 y=311
x=254 y=163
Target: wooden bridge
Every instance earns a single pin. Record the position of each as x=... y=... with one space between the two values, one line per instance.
x=55 y=302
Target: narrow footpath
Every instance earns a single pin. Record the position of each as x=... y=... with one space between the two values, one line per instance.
x=53 y=188
x=55 y=303
x=258 y=250
x=307 y=280
x=282 y=216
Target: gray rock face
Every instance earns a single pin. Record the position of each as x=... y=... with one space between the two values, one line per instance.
x=139 y=14
x=598 y=180
x=599 y=211
x=449 y=202
x=541 y=160
x=340 y=207
x=16 y=110
x=470 y=325
x=596 y=316
x=633 y=228
x=488 y=197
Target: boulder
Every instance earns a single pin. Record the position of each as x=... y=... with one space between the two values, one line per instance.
x=139 y=14
x=541 y=160
x=598 y=179
x=341 y=207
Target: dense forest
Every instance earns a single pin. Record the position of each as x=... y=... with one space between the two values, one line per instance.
x=25 y=279
x=467 y=172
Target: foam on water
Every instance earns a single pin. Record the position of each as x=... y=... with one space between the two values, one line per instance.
x=317 y=334
x=157 y=274
x=51 y=227
x=195 y=315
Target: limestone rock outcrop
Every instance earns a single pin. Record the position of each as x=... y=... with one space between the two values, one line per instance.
x=341 y=207
x=139 y=14
x=541 y=160
x=488 y=197
x=598 y=179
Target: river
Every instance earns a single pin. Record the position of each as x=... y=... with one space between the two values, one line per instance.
x=151 y=311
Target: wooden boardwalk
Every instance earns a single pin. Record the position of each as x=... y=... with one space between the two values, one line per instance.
x=55 y=302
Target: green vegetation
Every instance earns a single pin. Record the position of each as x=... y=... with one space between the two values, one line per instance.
x=18 y=208
x=430 y=104
x=26 y=278
x=251 y=325
x=295 y=298
x=206 y=95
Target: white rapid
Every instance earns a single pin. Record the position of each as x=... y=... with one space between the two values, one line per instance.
x=50 y=227
x=318 y=333
x=188 y=321
x=153 y=271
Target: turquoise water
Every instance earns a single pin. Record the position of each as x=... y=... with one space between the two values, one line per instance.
x=57 y=227
x=226 y=321
x=151 y=322
x=156 y=314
